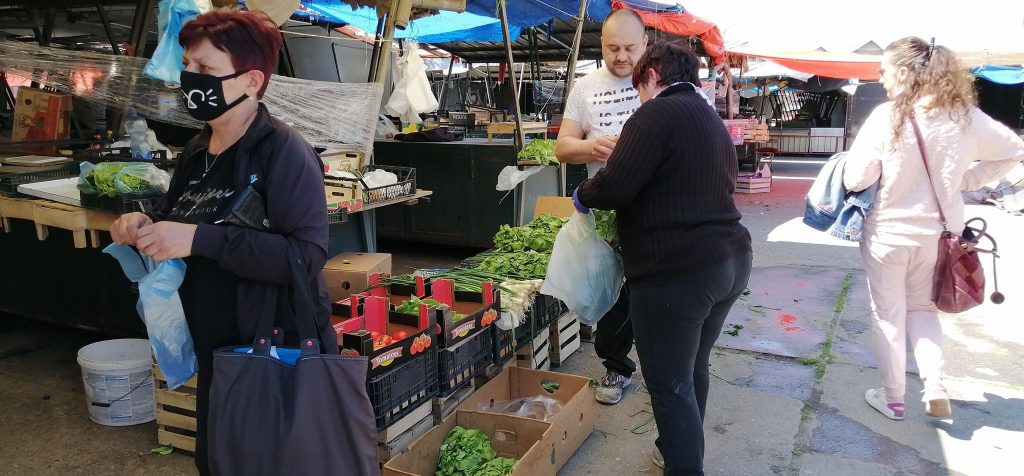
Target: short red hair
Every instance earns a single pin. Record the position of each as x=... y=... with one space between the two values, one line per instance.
x=251 y=39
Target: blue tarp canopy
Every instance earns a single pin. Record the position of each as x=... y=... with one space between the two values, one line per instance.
x=441 y=28
x=1000 y=74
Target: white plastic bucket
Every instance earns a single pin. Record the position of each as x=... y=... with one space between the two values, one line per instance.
x=118 y=379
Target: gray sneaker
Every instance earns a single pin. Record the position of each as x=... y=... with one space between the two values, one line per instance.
x=612 y=385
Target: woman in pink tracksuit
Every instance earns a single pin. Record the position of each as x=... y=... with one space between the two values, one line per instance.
x=966 y=149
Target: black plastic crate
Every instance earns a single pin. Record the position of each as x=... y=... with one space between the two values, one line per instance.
x=9 y=181
x=405 y=187
x=545 y=310
x=458 y=365
x=397 y=393
x=504 y=344
x=121 y=204
x=124 y=154
x=462 y=118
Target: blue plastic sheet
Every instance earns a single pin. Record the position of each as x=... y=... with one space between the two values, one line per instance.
x=444 y=27
x=1008 y=75
x=160 y=309
x=165 y=64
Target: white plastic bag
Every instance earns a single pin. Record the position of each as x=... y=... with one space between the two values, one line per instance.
x=511 y=176
x=584 y=271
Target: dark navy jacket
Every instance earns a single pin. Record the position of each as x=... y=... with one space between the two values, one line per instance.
x=830 y=207
x=288 y=173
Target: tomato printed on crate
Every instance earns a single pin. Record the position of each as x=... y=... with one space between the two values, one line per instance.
x=489 y=317
x=399 y=335
x=349 y=353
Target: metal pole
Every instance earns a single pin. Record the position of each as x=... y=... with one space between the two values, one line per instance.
x=571 y=71
x=444 y=85
x=487 y=85
x=520 y=137
x=106 y=27
x=384 y=55
x=570 y=78
x=377 y=41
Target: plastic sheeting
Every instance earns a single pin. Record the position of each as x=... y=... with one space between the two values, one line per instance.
x=340 y=116
x=1008 y=75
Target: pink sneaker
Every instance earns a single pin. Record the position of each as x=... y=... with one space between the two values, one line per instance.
x=892 y=410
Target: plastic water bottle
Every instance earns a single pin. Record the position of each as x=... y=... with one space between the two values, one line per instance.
x=137 y=129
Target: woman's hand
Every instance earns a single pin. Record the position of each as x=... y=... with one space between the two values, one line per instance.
x=125 y=229
x=166 y=240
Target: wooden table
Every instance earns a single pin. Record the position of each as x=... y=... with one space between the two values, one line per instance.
x=84 y=224
x=497 y=128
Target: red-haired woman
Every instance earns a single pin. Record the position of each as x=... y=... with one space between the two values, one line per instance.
x=233 y=272
x=687 y=257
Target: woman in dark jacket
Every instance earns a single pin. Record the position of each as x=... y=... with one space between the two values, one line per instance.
x=233 y=272
x=687 y=258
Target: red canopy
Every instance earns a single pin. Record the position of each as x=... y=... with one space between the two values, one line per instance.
x=821 y=63
x=683 y=24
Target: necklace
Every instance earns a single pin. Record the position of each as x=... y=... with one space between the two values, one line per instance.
x=238 y=135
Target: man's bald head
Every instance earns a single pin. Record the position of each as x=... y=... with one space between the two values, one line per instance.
x=621 y=19
x=623 y=41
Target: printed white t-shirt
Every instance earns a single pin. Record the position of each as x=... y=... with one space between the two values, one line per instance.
x=601 y=103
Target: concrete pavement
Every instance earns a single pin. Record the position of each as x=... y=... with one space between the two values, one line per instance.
x=786 y=397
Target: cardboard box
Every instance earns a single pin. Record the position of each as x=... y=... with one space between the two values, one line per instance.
x=349 y=273
x=511 y=437
x=41 y=115
x=478 y=310
x=570 y=427
x=557 y=206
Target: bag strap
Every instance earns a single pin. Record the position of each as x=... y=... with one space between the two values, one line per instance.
x=927 y=171
x=296 y=299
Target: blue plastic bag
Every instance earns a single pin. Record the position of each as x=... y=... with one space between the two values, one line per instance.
x=160 y=309
x=165 y=65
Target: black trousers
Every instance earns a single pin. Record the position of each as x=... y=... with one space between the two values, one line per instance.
x=613 y=337
x=209 y=333
x=676 y=323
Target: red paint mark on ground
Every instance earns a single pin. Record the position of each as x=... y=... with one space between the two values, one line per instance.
x=794 y=329
x=800 y=283
x=786 y=318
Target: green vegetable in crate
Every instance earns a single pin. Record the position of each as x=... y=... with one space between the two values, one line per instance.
x=412 y=306
x=464 y=452
x=497 y=467
x=540 y=150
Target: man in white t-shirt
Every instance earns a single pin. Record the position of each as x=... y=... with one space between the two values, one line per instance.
x=598 y=106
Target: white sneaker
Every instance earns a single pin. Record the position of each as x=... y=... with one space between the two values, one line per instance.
x=612 y=385
x=659 y=460
x=892 y=410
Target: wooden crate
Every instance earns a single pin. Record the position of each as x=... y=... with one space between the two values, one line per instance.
x=402 y=442
x=175 y=412
x=565 y=338
x=444 y=406
x=536 y=354
x=587 y=333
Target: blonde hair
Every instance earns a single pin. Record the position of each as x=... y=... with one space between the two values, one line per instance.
x=935 y=73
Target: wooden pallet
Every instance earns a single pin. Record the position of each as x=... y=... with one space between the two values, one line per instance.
x=175 y=412
x=565 y=338
x=444 y=406
x=536 y=354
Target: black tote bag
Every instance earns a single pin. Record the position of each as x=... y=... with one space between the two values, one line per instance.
x=298 y=411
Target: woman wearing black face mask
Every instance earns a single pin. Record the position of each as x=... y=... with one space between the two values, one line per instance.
x=233 y=272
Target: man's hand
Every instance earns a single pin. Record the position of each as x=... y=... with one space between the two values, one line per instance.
x=125 y=229
x=166 y=240
x=601 y=148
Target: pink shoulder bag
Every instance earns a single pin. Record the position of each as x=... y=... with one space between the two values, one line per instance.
x=959 y=281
